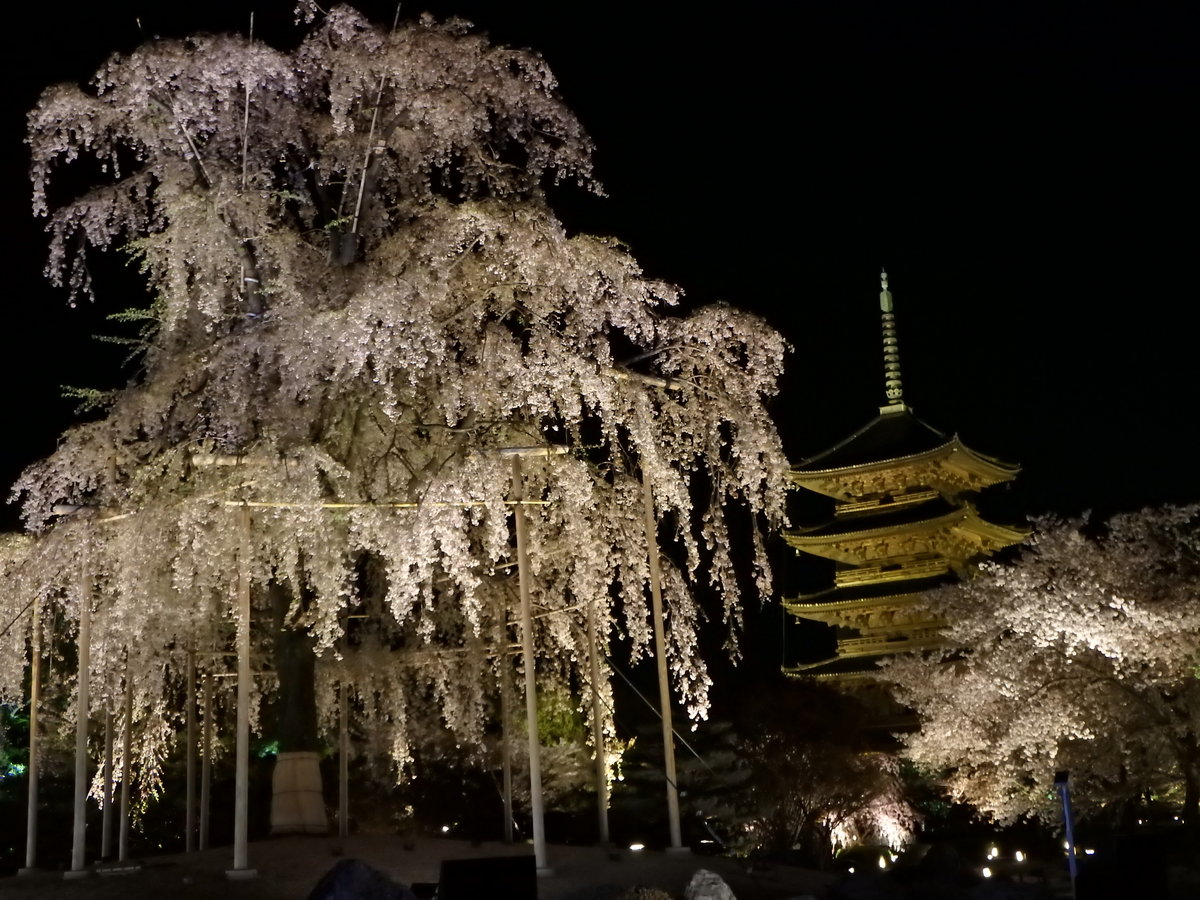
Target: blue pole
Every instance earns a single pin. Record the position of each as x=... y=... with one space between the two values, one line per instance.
x=1062 y=785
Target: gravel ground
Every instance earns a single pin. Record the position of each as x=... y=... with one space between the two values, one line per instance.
x=288 y=868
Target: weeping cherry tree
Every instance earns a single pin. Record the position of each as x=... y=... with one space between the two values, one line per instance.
x=361 y=303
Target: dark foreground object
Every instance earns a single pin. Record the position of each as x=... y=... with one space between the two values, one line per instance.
x=353 y=879
x=510 y=877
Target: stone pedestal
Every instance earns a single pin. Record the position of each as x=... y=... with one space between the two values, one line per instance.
x=297 y=803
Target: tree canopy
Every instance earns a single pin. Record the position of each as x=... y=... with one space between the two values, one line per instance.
x=361 y=300
x=1079 y=656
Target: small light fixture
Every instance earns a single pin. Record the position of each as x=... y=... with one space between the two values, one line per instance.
x=636 y=847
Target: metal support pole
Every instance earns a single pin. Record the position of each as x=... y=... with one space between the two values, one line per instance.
x=241 y=820
x=35 y=699
x=189 y=813
x=344 y=761
x=505 y=706
x=597 y=726
x=126 y=765
x=660 y=653
x=83 y=704
x=106 y=814
x=206 y=762
x=1062 y=784
x=535 y=762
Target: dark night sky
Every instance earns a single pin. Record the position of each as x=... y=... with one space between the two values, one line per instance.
x=1025 y=172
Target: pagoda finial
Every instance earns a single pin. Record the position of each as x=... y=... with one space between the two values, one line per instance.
x=892 y=385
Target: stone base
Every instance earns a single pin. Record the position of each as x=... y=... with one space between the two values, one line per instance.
x=119 y=869
x=28 y=871
x=679 y=851
x=297 y=801
x=74 y=874
x=241 y=874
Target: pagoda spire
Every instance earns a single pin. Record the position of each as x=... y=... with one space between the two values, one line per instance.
x=893 y=387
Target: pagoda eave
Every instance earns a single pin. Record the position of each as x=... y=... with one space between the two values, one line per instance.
x=799 y=608
x=959 y=535
x=812 y=672
x=950 y=468
x=879 y=616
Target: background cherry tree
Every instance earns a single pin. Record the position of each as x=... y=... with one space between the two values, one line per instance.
x=1081 y=656
x=360 y=300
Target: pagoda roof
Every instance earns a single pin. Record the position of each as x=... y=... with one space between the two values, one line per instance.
x=895 y=432
x=896 y=451
x=836 y=668
x=890 y=613
x=853 y=662
x=959 y=534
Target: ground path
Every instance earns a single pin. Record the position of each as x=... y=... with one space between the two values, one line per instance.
x=289 y=867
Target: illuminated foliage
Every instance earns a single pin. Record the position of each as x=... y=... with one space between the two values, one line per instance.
x=817 y=783
x=1081 y=656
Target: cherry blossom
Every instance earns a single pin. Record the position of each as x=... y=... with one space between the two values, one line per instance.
x=1081 y=656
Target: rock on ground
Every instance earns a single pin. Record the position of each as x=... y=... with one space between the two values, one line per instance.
x=706 y=885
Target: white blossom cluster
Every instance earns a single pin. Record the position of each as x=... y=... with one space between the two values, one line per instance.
x=1081 y=656
x=361 y=298
x=14 y=634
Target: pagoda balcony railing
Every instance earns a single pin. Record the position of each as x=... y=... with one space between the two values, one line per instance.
x=878 y=645
x=899 y=501
x=924 y=568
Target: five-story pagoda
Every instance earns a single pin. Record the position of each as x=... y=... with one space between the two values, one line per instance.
x=903 y=521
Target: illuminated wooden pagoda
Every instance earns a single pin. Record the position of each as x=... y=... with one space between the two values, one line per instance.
x=903 y=521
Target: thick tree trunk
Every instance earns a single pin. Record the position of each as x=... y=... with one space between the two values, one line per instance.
x=297 y=800
x=1191 y=790
x=1191 y=802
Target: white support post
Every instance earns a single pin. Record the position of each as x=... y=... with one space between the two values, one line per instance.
x=241 y=820
x=106 y=814
x=83 y=703
x=660 y=652
x=597 y=725
x=206 y=762
x=189 y=813
x=35 y=699
x=343 y=760
x=505 y=706
x=535 y=762
x=126 y=766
